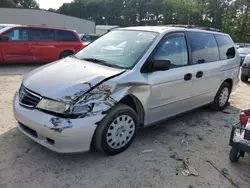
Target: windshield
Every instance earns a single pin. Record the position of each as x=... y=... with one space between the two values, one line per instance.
x=118 y=48
x=244 y=50
x=1 y=27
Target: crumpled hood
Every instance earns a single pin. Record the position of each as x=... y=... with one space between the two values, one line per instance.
x=67 y=79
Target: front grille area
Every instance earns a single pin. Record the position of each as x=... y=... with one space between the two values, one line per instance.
x=27 y=98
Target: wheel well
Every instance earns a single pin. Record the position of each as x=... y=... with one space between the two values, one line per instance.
x=135 y=104
x=230 y=81
x=70 y=51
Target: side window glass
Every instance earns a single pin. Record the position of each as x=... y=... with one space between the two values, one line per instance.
x=204 y=47
x=43 y=35
x=66 y=36
x=18 y=35
x=174 y=48
x=226 y=47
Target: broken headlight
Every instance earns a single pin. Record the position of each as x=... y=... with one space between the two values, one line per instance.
x=82 y=109
x=53 y=106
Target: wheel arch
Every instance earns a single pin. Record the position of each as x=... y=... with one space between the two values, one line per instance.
x=230 y=82
x=64 y=51
x=133 y=102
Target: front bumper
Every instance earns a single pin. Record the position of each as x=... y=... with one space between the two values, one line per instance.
x=245 y=71
x=36 y=124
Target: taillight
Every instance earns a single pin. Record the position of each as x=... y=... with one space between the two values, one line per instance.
x=81 y=46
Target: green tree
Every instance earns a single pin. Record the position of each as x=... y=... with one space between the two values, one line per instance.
x=232 y=16
x=7 y=3
x=26 y=3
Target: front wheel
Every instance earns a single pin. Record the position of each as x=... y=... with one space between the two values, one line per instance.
x=117 y=130
x=234 y=155
x=222 y=96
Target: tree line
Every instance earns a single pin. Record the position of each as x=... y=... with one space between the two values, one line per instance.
x=231 y=16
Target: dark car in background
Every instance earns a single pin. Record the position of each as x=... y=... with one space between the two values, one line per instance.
x=243 y=51
x=31 y=44
x=88 y=38
x=245 y=69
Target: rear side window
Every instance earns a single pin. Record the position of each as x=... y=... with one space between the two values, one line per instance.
x=66 y=36
x=43 y=35
x=204 y=47
x=18 y=34
x=226 y=47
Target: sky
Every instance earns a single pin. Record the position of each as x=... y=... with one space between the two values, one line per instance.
x=55 y=4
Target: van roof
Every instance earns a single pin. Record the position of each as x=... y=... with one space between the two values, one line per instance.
x=162 y=29
x=9 y=25
x=40 y=27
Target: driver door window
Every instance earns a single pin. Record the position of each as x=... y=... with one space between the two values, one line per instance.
x=17 y=48
x=18 y=35
x=173 y=48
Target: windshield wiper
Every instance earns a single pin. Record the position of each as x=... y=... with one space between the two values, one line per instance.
x=94 y=60
x=101 y=62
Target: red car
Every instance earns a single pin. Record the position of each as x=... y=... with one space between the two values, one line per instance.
x=37 y=44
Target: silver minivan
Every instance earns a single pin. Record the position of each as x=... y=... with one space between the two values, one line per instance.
x=128 y=79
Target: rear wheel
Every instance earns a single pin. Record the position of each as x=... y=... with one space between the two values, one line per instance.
x=117 y=130
x=65 y=54
x=222 y=96
x=243 y=78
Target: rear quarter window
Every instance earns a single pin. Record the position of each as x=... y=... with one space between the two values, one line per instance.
x=43 y=35
x=66 y=36
x=204 y=47
x=226 y=47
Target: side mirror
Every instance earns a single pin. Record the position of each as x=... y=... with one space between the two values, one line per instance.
x=161 y=65
x=4 y=38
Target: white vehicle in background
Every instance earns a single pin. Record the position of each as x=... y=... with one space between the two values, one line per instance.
x=7 y=25
x=245 y=69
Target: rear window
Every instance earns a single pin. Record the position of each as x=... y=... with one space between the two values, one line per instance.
x=204 y=47
x=66 y=36
x=226 y=47
x=43 y=35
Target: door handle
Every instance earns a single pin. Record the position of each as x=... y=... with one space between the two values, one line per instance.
x=188 y=76
x=199 y=74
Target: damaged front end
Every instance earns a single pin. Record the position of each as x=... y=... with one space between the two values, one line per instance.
x=95 y=101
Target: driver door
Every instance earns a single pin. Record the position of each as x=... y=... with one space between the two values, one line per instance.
x=17 y=48
x=171 y=90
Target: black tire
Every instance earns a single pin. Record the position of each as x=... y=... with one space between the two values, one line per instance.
x=243 y=78
x=216 y=103
x=65 y=54
x=101 y=134
x=234 y=155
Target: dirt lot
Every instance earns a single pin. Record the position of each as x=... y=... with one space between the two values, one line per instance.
x=201 y=135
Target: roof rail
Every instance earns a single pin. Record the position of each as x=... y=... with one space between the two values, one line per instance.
x=195 y=27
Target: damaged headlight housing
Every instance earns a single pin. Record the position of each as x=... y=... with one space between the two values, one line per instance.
x=81 y=109
x=53 y=106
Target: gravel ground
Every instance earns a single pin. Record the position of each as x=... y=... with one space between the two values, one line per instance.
x=201 y=135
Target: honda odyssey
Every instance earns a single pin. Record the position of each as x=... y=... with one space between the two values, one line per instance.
x=99 y=98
